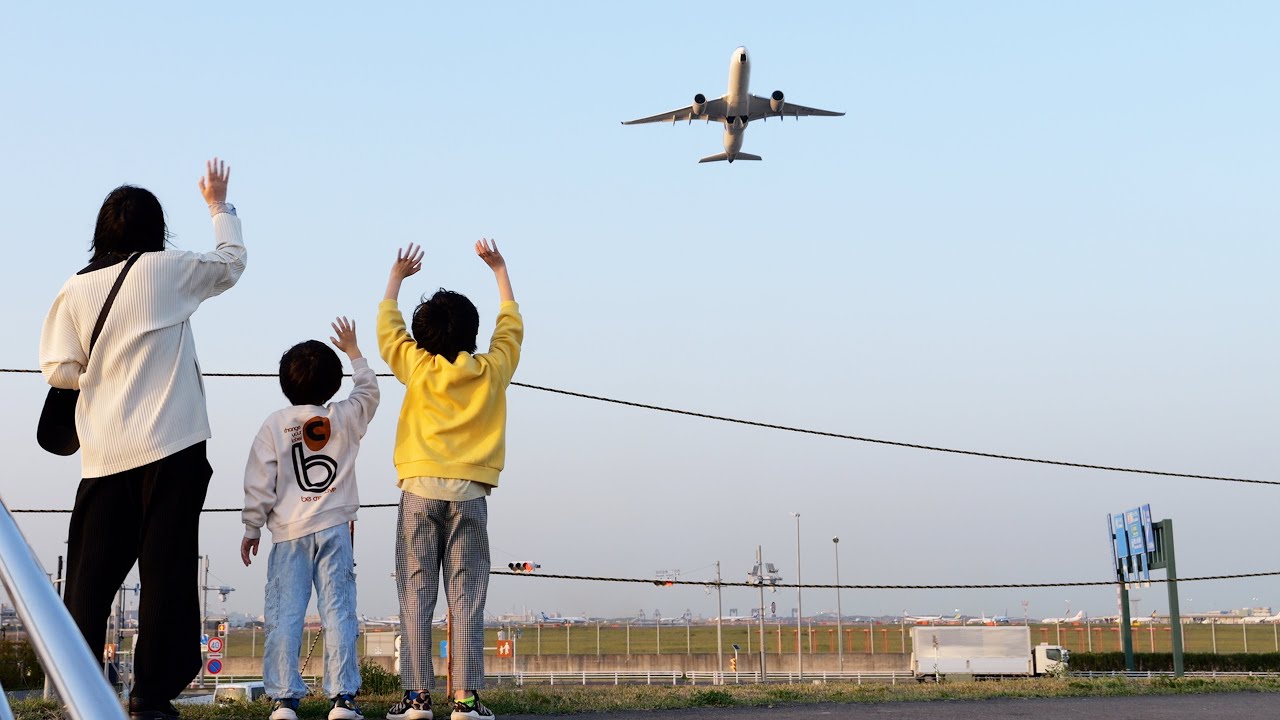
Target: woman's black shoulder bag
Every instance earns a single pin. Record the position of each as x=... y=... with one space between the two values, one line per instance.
x=57 y=429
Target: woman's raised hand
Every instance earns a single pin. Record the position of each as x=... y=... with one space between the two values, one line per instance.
x=213 y=184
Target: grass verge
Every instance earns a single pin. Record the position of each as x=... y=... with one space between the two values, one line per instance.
x=559 y=700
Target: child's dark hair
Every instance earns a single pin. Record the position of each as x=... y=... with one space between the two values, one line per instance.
x=310 y=373
x=446 y=324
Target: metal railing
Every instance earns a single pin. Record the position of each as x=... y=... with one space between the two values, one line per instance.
x=63 y=654
x=677 y=677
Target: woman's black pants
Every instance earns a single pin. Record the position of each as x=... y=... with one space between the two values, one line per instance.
x=149 y=515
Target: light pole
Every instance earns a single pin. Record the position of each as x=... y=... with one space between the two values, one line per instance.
x=799 y=604
x=835 y=542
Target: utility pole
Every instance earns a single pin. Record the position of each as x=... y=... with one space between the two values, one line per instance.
x=835 y=541
x=204 y=613
x=799 y=605
x=760 y=581
x=719 y=637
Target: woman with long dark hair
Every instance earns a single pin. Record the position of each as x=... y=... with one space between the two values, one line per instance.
x=142 y=424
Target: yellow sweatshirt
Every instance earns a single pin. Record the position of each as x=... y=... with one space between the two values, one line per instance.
x=453 y=422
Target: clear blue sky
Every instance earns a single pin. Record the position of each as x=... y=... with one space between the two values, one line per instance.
x=1041 y=229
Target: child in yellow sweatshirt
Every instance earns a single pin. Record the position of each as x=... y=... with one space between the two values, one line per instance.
x=450 y=448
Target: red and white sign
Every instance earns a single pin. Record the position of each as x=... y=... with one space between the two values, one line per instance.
x=215 y=644
x=505 y=649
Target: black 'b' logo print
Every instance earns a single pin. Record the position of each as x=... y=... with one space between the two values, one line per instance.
x=303 y=466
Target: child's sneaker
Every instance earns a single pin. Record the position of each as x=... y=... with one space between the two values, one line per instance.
x=470 y=709
x=345 y=708
x=413 y=706
x=284 y=709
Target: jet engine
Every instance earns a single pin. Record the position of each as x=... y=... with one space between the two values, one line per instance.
x=699 y=104
x=775 y=102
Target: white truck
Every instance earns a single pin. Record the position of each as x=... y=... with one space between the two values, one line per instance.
x=982 y=652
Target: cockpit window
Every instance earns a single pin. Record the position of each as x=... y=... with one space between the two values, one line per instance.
x=742 y=57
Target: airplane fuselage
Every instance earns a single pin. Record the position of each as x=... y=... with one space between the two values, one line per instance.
x=737 y=101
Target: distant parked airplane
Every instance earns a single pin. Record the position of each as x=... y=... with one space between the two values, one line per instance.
x=1078 y=617
x=984 y=620
x=932 y=619
x=561 y=619
x=1257 y=619
x=735 y=109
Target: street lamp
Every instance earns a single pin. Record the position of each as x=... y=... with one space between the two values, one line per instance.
x=763 y=574
x=835 y=542
x=799 y=604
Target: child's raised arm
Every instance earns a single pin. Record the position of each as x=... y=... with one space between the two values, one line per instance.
x=488 y=252
x=408 y=262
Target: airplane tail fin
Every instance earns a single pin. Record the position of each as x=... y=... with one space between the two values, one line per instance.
x=725 y=156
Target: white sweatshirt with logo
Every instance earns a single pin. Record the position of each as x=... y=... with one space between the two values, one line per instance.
x=301 y=474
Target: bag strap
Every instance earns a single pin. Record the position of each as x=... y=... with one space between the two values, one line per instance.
x=111 y=298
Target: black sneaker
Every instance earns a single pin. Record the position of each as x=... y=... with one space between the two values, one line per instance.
x=142 y=709
x=284 y=709
x=470 y=709
x=345 y=708
x=413 y=706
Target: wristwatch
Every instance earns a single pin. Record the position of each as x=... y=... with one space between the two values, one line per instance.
x=219 y=207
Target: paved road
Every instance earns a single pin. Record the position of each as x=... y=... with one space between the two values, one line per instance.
x=1171 y=707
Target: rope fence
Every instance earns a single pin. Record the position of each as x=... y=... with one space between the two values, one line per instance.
x=788 y=428
x=818 y=433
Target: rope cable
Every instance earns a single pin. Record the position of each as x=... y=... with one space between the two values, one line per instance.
x=819 y=433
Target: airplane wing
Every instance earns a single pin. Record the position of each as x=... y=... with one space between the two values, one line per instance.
x=760 y=108
x=712 y=110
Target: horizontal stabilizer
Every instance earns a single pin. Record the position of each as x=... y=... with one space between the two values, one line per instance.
x=724 y=156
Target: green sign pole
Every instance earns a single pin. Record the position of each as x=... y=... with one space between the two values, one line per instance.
x=1164 y=543
x=1126 y=628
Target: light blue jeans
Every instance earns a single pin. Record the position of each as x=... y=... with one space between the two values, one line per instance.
x=324 y=559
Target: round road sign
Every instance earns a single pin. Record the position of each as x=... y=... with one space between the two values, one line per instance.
x=215 y=666
x=215 y=644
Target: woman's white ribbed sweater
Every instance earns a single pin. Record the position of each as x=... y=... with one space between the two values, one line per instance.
x=141 y=394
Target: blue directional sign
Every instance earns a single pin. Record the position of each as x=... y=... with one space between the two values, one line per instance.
x=1120 y=536
x=444 y=648
x=1137 y=538
x=1149 y=539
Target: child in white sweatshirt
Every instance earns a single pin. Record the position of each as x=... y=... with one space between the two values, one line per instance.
x=300 y=482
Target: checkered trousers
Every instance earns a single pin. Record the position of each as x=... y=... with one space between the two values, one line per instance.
x=436 y=538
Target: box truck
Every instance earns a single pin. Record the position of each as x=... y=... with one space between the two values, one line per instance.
x=982 y=652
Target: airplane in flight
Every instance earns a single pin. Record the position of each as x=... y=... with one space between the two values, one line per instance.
x=735 y=110
x=561 y=619
x=1077 y=618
